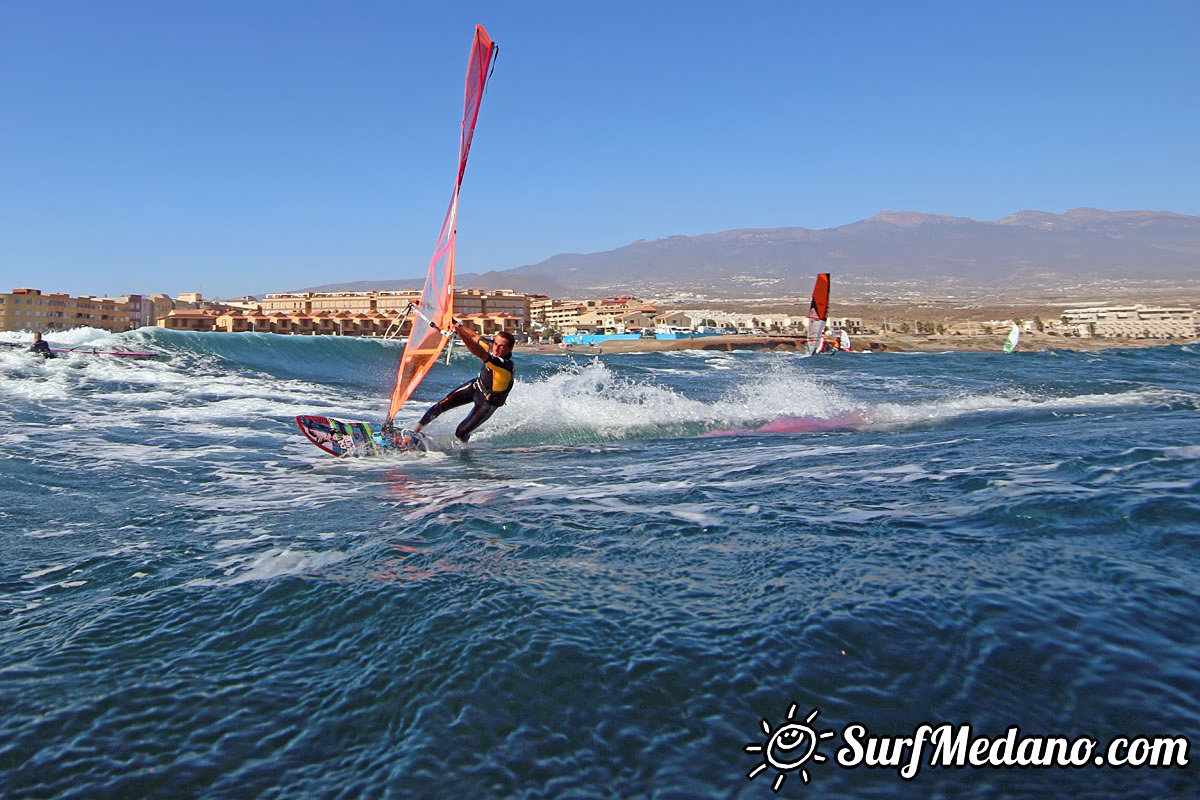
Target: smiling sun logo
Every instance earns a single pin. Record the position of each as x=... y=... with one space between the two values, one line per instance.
x=788 y=747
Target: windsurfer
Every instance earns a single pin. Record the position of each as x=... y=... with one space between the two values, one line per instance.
x=42 y=348
x=487 y=391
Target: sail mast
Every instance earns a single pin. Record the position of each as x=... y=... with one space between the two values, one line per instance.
x=425 y=340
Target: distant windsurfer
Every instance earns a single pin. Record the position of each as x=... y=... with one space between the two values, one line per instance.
x=833 y=342
x=487 y=391
x=41 y=348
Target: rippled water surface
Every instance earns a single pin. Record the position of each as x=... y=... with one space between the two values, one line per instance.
x=635 y=564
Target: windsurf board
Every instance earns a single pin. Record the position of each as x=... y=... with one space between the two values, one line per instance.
x=345 y=437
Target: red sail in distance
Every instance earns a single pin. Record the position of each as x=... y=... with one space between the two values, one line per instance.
x=818 y=308
x=425 y=342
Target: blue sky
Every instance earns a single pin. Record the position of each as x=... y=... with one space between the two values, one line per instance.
x=264 y=145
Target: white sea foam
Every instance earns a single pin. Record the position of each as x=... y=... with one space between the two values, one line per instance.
x=70 y=338
x=47 y=571
x=583 y=400
x=225 y=544
x=1185 y=452
x=986 y=403
x=592 y=398
x=273 y=563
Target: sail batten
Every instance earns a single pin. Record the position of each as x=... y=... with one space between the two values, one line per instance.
x=425 y=341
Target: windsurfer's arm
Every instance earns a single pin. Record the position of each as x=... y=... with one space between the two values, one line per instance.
x=472 y=341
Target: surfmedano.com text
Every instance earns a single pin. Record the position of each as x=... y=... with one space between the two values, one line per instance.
x=955 y=746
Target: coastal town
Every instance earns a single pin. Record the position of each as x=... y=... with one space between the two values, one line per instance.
x=608 y=323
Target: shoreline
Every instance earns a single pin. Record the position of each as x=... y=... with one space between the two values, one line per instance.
x=880 y=343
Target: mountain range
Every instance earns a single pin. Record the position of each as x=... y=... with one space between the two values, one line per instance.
x=892 y=253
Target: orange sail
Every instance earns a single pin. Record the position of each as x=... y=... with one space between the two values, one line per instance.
x=425 y=341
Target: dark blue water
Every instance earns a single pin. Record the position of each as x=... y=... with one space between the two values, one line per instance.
x=596 y=598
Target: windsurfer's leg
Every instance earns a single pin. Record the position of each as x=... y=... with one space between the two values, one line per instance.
x=459 y=397
x=479 y=415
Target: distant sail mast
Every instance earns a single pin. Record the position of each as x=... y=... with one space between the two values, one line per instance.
x=818 y=309
x=425 y=343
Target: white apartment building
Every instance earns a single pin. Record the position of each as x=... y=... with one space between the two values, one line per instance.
x=1132 y=322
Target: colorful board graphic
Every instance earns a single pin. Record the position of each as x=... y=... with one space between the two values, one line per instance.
x=344 y=437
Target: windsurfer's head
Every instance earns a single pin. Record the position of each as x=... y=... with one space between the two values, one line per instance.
x=502 y=344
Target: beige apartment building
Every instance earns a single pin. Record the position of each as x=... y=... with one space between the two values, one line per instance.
x=159 y=305
x=1132 y=322
x=560 y=315
x=466 y=301
x=613 y=320
x=189 y=319
x=336 y=302
x=774 y=323
x=368 y=313
x=611 y=313
x=396 y=302
x=497 y=302
x=30 y=310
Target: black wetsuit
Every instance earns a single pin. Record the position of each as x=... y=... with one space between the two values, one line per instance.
x=42 y=348
x=488 y=392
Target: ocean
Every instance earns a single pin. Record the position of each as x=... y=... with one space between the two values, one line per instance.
x=649 y=575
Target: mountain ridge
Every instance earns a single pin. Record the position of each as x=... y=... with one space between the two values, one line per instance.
x=888 y=252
